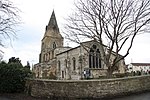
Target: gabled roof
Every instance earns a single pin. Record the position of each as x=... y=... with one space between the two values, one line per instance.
x=90 y=41
x=141 y=64
x=67 y=50
x=84 y=43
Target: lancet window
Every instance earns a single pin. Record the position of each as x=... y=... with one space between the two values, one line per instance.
x=94 y=57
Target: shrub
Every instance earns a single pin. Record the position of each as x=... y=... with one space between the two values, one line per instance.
x=12 y=77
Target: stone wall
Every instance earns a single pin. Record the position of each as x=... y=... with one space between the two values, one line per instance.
x=87 y=88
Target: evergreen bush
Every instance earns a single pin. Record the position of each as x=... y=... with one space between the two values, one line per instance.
x=12 y=77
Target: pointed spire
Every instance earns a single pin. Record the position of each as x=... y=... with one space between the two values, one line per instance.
x=53 y=22
x=52 y=27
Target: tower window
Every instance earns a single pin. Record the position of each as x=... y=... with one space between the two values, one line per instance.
x=54 y=45
x=42 y=45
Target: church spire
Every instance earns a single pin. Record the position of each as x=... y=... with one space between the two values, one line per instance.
x=53 y=22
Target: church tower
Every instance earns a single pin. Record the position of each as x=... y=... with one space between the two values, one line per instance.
x=51 y=40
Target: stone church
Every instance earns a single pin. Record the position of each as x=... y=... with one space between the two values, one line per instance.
x=65 y=63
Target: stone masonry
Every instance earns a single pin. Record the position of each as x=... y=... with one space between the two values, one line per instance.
x=88 y=88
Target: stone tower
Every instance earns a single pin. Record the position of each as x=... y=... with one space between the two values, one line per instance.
x=51 y=40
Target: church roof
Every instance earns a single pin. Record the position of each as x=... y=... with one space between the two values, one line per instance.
x=84 y=43
x=68 y=50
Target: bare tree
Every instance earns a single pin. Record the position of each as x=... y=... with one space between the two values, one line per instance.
x=9 y=19
x=114 y=23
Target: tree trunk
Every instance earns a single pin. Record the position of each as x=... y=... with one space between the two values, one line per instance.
x=109 y=72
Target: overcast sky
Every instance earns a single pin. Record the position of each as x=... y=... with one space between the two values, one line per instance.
x=35 y=16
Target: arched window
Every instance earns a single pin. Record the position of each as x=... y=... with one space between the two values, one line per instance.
x=42 y=45
x=98 y=61
x=94 y=57
x=44 y=57
x=59 y=66
x=94 y=46
x=62 y=74
x=74 y=63
x=91 y=58
x=49 y=55
x=54 y=45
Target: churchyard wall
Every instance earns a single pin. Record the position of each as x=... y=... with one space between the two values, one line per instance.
x=87 y=88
